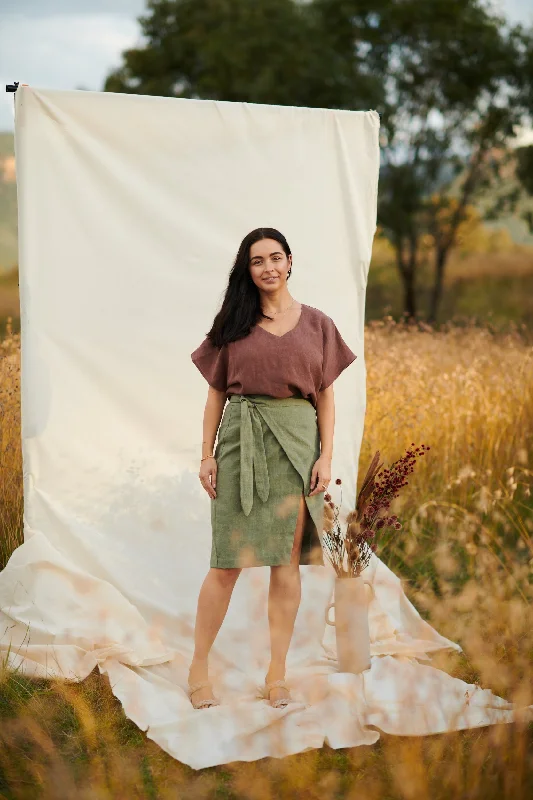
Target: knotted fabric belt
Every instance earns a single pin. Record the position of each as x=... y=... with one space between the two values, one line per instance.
x=253 y=458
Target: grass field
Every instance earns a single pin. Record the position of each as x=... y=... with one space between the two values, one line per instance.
x=465 y=554
x=490 y=280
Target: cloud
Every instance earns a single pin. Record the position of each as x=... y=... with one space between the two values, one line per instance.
x=519 y=10
x=36 y=9
x=61 y=52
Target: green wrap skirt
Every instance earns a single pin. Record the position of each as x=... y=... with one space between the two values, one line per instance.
x=265 y=453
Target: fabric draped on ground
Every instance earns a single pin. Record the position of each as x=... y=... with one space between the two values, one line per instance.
x=131 y=208
x=399 y=694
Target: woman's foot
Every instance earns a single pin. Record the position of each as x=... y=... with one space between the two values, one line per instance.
x=278 y=696
x=198 y=673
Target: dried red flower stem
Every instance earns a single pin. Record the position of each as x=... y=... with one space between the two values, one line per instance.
x=350 y=552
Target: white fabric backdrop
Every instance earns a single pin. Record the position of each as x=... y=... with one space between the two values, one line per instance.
x=131 y=209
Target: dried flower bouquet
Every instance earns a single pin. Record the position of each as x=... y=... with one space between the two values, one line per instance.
x=350 y=552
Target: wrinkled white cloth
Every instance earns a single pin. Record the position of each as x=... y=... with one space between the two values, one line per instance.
x=131 y=209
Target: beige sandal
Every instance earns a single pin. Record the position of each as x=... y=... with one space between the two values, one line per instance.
x=194 y=687
x=264 y=693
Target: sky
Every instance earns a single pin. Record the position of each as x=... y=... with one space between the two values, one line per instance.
x=73 y=44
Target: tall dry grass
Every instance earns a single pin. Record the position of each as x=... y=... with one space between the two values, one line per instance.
x=11 y=494
x=465 y=554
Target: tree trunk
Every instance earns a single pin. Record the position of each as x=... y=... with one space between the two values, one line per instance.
x=409 y=295
x=445 y=243
x=436 y=294
x=407 y=270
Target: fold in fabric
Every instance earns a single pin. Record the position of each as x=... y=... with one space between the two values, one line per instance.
x=253 y=458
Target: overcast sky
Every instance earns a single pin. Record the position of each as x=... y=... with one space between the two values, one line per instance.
x=69 y=44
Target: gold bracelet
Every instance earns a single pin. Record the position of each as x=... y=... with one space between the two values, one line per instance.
x=204 y=458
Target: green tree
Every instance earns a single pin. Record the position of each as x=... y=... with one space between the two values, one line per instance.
x=524 y=173
x=272 y=51
x=449 y=79
x=456 y=80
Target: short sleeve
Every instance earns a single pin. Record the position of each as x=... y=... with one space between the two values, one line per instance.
x=336 y=354
x=212 y=363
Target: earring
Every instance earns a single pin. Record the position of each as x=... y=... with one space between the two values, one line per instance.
x=289 y=273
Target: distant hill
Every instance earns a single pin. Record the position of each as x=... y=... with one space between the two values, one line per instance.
x=518 y=230
x=8 y=204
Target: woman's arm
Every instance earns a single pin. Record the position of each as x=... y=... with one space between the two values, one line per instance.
x=325 y=411
x=214 y=406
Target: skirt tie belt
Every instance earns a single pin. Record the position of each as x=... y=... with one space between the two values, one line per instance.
x=253 y=457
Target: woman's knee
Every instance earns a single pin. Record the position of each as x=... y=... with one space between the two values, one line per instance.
x=225 y=577
x=285 y=576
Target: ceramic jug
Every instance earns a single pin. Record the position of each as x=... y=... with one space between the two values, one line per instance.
x=351 y=600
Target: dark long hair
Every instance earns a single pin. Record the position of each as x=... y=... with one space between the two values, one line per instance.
x=241 y=307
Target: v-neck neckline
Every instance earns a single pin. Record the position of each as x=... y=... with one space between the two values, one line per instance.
x=282 y=335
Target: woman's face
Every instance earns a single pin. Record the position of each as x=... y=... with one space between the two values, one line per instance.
x=269 y=264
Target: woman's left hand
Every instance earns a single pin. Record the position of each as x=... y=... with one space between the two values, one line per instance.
x=321 y=474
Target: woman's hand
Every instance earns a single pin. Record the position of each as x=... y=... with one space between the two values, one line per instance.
x=208 y=476
x=321 y=474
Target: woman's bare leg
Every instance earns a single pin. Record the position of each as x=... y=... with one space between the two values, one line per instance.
x=283 y=603
x=213 y=602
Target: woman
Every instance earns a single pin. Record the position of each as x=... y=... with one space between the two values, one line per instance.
x=275 y=359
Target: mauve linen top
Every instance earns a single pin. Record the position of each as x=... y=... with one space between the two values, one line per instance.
x=299 y=363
